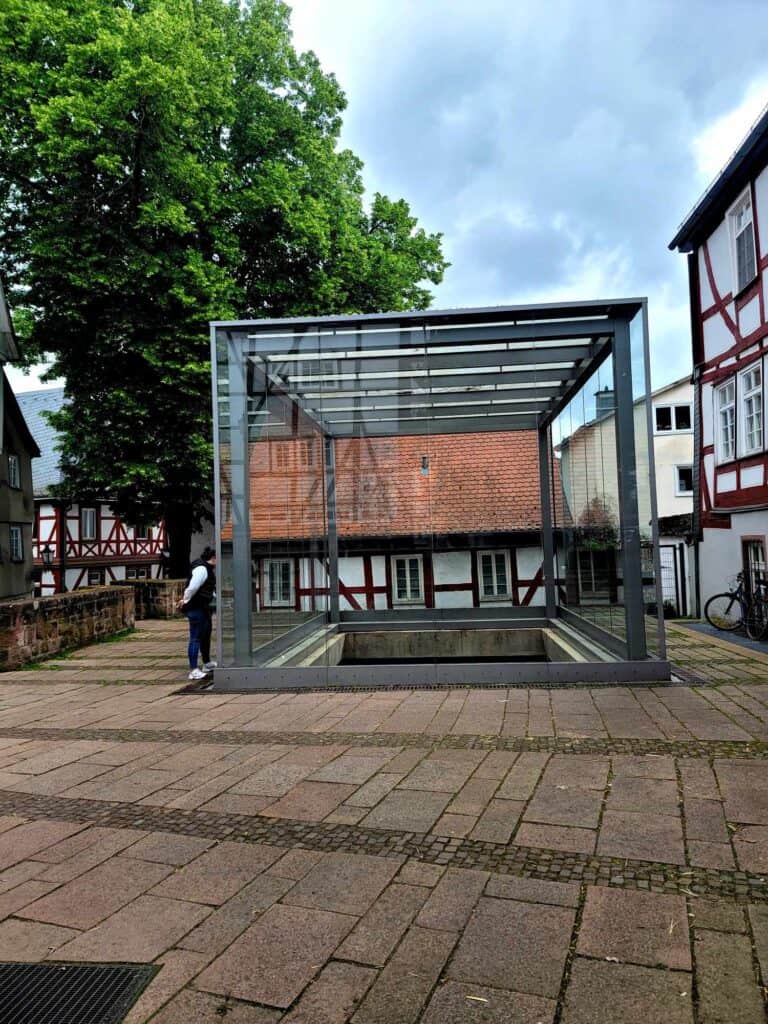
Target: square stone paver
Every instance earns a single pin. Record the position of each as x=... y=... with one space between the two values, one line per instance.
x=556 y=837
x=347 y=883
x=378 y=932
x=138 y=933
x=26 y=840
x=349 y=768
x=518 y=946
x=30 y=941
x=533 y=890
x=644 y=928
x=454 y=1003
x=407 y=811
x=402 y=988
x=629 y=793
x=751 y=846
x=169 y=848
x=273 y=780
x=438 y=777
x=200 y=1008
x=232 y=918
x=333 y=996
x=565 y=805
x=498 y=821
x=310 y=801
x=653 y=837
x=98 y=893
x=599 y=993
x=728 y=990
x=274 y=961
x=218 y=874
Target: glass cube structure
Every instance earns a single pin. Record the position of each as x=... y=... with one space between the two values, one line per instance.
x=436 y=498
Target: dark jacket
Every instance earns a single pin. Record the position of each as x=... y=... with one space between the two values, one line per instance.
x=203 y=597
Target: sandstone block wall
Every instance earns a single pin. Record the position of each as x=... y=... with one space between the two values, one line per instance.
x=31 y=629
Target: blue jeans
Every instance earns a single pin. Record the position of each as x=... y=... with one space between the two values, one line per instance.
x=199 y=635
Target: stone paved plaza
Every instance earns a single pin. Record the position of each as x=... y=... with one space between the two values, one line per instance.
x=580 y=855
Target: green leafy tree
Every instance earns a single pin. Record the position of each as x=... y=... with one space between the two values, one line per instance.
x=164 y=163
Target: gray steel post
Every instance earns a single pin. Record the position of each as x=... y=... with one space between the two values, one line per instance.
x=241 y=532
x=634 y=609
x=217 y=485
x=333 y=536
x=547 y=541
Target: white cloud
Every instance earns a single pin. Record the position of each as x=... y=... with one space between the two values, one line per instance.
x=715 y=145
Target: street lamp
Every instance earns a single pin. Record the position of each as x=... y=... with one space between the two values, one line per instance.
x=46 y=555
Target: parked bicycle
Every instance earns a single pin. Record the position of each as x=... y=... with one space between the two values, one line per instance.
x=728 y=611
x=756 y=621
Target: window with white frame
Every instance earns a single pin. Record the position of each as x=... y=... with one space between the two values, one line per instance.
x=278 y=582
x=407 y=579
x=88 y=523
x=683 y=480
x=742 y=233
x=14 y=471
x=751 y=411
x=137 y=572
x=494 y=574
x=673 y=418
x=725 y=419
x=15 y=543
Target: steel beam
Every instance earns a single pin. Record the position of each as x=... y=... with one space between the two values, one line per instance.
x=634 y=609
x=333 y=536
x=409 y=382
x=379 y=336
x=395 y=428
x=547 y=539
x=352 y=363
x=242 y=597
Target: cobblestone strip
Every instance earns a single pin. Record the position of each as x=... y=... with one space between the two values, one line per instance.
x=545 y=744
x=550 y=865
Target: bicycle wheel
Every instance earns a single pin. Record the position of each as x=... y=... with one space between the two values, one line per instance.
x=756 y=620
x=723 y=611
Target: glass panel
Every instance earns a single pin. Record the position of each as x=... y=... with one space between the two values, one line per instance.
x=487 y=563
x=586 y=504
x=682 y=417
x=646 y=492
x=501 y=575
x=415 y=591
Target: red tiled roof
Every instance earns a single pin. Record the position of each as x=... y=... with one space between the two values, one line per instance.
x=474 y=483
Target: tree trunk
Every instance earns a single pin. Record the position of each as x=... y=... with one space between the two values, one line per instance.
x=178 y=527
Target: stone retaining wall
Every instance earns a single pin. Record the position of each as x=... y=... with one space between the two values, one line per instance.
x=155 y=599
x=37 y=628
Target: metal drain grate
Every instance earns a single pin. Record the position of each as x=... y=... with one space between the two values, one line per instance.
x=70 y=993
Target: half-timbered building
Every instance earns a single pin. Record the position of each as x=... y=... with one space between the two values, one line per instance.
x=726 y=240
x=17 y=450
x=76 y=543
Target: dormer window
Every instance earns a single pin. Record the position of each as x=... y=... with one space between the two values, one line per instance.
x=742 y=234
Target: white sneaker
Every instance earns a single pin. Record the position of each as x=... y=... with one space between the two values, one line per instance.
x=209 y=666
x=196 y=673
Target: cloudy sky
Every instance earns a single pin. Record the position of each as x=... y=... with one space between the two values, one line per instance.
x=557 y=145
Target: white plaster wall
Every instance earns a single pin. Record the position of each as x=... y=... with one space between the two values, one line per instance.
x=351 y=571
x=528 y=563
x=452 y=567
x=717 y=337
x=752 y=476
x=749 y=316
x=379 y=569
x=720 y=551
x=761 y=204
x=720 y=257
x=672 y=449
x=726 y=482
